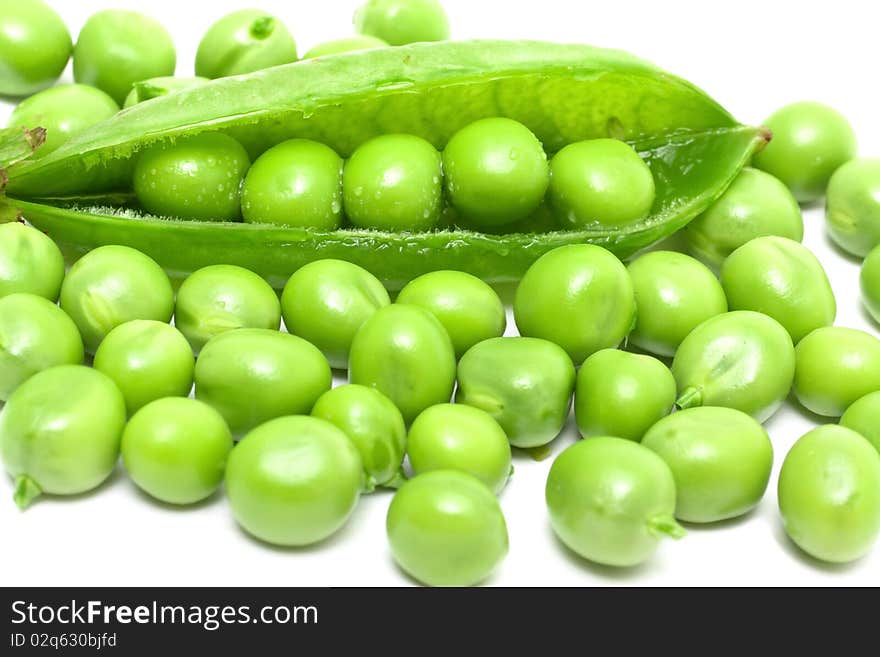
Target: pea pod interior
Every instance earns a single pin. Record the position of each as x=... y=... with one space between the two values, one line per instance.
x=563 y=93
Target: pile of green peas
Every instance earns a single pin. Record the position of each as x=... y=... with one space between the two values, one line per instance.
x=671 y=363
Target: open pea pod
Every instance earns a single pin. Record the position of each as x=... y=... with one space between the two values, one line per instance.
x=80 y=194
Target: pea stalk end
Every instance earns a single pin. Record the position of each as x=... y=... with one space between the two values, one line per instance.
x=690 y=398
x=26 y=491
x=665 y=525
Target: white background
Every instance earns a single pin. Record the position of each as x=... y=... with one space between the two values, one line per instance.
x=752 y=56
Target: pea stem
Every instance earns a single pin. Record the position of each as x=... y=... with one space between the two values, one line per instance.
x=690 y=398
x=26 y=491
x=666 y=525
x=396 y=481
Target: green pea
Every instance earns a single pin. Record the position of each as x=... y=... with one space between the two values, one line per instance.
x=327 y=301
x=294 y=481
x=469 y=309
x=742 y=360
x=600 y=181
x=35 y=335
x=175 y=450
x=829 y=494
x=496 y=172
x=64 y=111
x=810 y=141
x=622 y=394
x=197 y=177
x=34 y=47
x=446 y=528
x=406 y=354
x=296 y=183
x=29 y=262
x=400 y=22
x=117 y=47
x=783 y=279
x=113 y=285
x=145 y=90
x=147 y=361
x=60 y=432
x=373 y=424
x=254 y=375
x=460 y=437
x=852 y=208
x=524 y=383
x=243 y=42
x=870 y=283
x=756 y=204
x=578 y=296
x=836 y=367
x=863 y=417
x=611 y=501
x=674 y=294
x=721 y=459
x=221 y=298
x=346 y=44
x=393 y=183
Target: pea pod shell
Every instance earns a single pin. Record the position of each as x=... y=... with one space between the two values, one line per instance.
x=564 y=93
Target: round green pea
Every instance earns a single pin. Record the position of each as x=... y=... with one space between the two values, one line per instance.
x=327 y=301
x=829 y=494
x=60 y=432
x=175 y=450
x=118 y=47
x=446 y=528
x=399 y=22
x=870 y=283
x=145 y=90
x=469 y=309
x=294 y=481
x=254 y=375
x=34 y=47
x=863 y=417
x=147 y=360
x=243 y=42
x=29 y=262
x=496 y=172
x=600 y=181
x=783 y=279
x=810 y=141
x=35 y=335
x=113 y=285
x=220 y=298
x=756 y=204
x=197 y=177
x=393 y=183
x=611 y=501
x=721 y=459
x=373 y=424
x=296 y=183
x=460 y=437
x=835 y=367
x=622 y=394
x=852 y=206
x=742 y=360
x=64 y=111
x=580 y=297
x=406 y=354
x=346 y=44
x=674 y=294
x=524 y=383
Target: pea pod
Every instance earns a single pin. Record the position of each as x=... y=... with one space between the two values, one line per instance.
x=563 y=93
